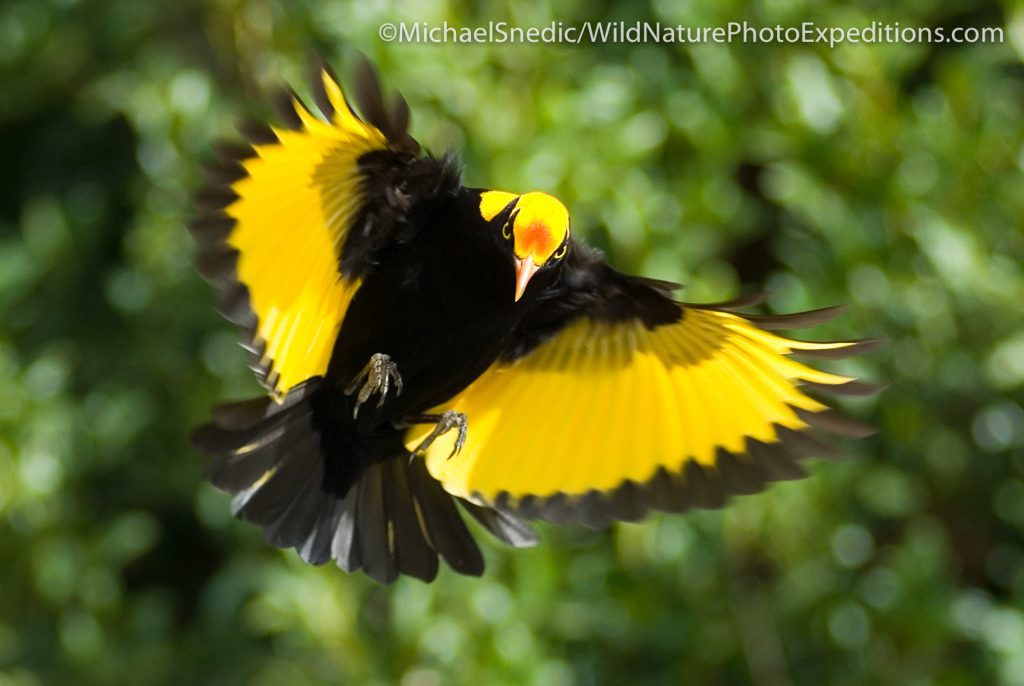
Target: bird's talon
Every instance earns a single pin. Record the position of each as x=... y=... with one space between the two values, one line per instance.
x=376 y=377
x=463 y=427
x=443 y=423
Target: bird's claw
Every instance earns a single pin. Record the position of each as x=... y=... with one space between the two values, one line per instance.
x=443 y=423
x=376 y=377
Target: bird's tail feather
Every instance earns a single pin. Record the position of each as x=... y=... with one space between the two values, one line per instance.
x=395 y=519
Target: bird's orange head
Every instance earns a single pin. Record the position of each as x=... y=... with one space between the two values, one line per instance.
x=536 y=224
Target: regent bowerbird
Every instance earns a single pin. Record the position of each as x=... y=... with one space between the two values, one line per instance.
x=430 y=349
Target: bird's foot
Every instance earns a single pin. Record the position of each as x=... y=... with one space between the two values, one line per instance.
x=443 y=423
x=376 y=377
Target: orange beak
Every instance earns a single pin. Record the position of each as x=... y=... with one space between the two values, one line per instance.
x=525 y=269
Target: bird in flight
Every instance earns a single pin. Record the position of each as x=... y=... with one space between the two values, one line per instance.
x=432 y=350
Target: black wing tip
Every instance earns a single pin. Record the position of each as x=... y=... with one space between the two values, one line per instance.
x=836 y=423
x=771 y=322
x=211 y=201
x=208 y=230
x=258 y=132
x=234 y=304
x=222 y=172
x=284 y=101
x=392 y=121
x=502 y=524
x=232 y=151
x=318 y=66
x=855 y=387
x=795 y=320
x=239 y=414
x=218 y=265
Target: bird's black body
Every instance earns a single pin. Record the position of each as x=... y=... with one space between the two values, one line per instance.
x=437 y=299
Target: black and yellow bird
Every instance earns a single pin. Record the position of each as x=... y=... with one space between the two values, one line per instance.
x=429 y=347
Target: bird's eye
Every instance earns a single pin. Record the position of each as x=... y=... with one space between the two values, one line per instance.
x=561 y=251
x=506 y=230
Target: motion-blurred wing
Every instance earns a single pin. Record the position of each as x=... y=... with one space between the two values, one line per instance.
x=276 y=217
x=609 y=419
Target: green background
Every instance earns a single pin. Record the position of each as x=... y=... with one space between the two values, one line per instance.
x=888 y=177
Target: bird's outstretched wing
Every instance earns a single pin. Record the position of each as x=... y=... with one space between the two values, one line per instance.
x=285 y=222
x=617 y=400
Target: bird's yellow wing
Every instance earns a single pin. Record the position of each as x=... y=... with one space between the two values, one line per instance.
x=272 y=228
x=611 y=419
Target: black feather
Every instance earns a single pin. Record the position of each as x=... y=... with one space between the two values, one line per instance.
x=217 y=265
x=504 y=525
x=316 y=548
x=323 y=103
x=258 y=133
x=211 y=231
x=241 y=413
x=797 y=320
x=833 y=422
x=626 y=502
x=264 y=502
x=592 y=511
x=667 y=492
x=211 y=201
x=229 y=152
x=233 y=304
x=343 y=546
x=705 y=486
x=223 y=172
x=284 y=104
x=586 y=286
x=801 y=444
x=448 y=533
x=853 y=388
x=376 y=549
x=739 y=476
x=774 y=461
x=414 y=555
x=293 y=524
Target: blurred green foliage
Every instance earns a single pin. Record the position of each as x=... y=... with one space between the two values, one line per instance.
x=885 y=176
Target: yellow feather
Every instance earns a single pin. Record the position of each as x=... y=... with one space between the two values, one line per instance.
x=688 y=379
x=596 y=462
x=603 y=403
x=767 y=390
x=292 y=215
x=669 y=439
